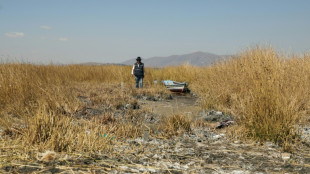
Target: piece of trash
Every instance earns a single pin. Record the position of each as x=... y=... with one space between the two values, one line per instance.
x=224 y=124
x=286 y=156
x=107 y=136
x=218 y=113
x=123 y=167
x=216 y=137
x=47 y=156
x=127 y=106
x=174 y=86
x=87 y=132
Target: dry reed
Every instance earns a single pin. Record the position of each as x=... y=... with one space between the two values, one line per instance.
x=268 y=92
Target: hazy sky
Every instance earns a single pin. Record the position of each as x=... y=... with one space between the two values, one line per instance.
x=75 y=31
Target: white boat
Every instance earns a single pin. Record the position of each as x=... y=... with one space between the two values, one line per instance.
x=174 y=86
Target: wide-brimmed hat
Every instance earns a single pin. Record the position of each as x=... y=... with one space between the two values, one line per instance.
x=138 y=58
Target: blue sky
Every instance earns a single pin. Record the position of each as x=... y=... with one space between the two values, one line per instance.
x=75 y=31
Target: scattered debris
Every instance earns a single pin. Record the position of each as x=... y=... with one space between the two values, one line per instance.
x=224 y=124
x=201 y=150
x=107 y=136
x=133 y=105
x=305 y=134
x=47 y=156
x=216 y=116
x=216 y=137
x=286 y=156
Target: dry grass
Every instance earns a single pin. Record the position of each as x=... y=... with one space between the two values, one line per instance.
x=175 y=125
x=267 y=91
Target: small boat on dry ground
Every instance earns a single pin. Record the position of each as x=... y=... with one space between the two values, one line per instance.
x=174 y=86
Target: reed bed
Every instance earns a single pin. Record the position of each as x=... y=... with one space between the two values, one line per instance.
x=266 y=91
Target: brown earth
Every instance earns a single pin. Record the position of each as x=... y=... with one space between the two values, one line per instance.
x=180 y=104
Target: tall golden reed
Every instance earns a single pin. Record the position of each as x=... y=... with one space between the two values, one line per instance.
x=268 y=93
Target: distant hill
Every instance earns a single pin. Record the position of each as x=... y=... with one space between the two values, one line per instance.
x=196 y=58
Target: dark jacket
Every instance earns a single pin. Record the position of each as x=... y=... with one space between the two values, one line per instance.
x=138 y=70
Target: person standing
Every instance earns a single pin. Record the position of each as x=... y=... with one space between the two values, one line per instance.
x=138 y=72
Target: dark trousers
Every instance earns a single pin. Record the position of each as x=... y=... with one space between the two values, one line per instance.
x=139 y=81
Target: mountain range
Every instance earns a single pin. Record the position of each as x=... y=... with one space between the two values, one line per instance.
x=196 y=59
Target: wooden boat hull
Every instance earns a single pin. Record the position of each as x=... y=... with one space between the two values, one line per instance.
x=175 y=86
x=177 y=89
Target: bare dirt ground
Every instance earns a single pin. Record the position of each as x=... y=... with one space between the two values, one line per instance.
x=180 y=104
x=203 y=150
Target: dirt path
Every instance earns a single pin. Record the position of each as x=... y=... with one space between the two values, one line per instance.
x=180 y=104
